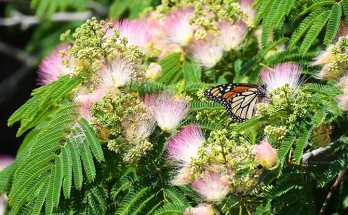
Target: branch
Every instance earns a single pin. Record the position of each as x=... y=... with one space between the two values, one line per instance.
x=96 y=9
x=332 y=190
x=27 y=21
x=315 y=153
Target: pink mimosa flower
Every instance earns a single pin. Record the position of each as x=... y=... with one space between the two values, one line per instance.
x=183 y=176
x=168 y=110
x=52 y=68
x=116 y=73
x=232 y=35
x=200 y=210
x=343 y=102
x=211 y=188
x=324 y=57
x=246 y=6
x=133 y=30
x=143 y=129
x=185 y=145
x=206 y=53
x=86 y=100
x=266 y=154
x=281 y=75
x=177 y=26
x=5 y=161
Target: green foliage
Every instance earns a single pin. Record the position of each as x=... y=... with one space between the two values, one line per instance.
x=171 y=69
x=305 y=132
x=42 y=102
x=43 y=171
x=119 y=7
x=334 y=23
x=197 y=106
x=314 y=31
x=285 y=147
x=62 y=167
x=48 y=8
x=192 y=72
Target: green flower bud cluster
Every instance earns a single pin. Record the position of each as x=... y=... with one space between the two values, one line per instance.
x=286 y=101
x=134 y=154
x=120 y=114
x=278 y=132
x=338 y=62
x=231 y=155
x=206 y=13
x=109 y=112
x=91 y=46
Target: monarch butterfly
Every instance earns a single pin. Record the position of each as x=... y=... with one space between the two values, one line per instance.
x=239 y=99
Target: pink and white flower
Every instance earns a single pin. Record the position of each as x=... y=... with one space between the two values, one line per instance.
x=52 y=68
x=177 y=26
x=232 y=35
x=211 y=188
x=246 y=6
x=143 y=129
x=184 y=146
x=116 y=73
x=324 y=57
x=86 y=100
x=183 y=176
x=167 y=109
x=266 y=155
x=207 y=53
x=343 y=102
x=281 y=75
x=133 y=30
x=201 y=209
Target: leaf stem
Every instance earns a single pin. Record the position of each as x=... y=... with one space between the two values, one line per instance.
x=332 y=190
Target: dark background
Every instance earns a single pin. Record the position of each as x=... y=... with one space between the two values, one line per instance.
x=17 y=78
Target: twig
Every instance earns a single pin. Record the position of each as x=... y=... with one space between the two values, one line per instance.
x=314 y=153
x=320 y=162
x=332 y=190
x=98 y=8
x=26 y=21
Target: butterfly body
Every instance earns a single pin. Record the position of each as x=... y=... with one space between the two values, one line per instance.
x=239 y=99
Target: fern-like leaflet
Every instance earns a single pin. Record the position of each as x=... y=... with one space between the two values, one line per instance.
x=47 y=168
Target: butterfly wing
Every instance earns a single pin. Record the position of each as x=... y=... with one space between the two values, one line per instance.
x=239 y=99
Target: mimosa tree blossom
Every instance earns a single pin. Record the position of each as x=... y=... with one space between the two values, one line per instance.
x=281 y=75
x=177 y=26
x=211 y=187
x=246 y=6
x=133 y=30
x=207 y=53
x=185 y=145
x=52 y=67
x=116 y=73
x=232 y=35
x=167 y=109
